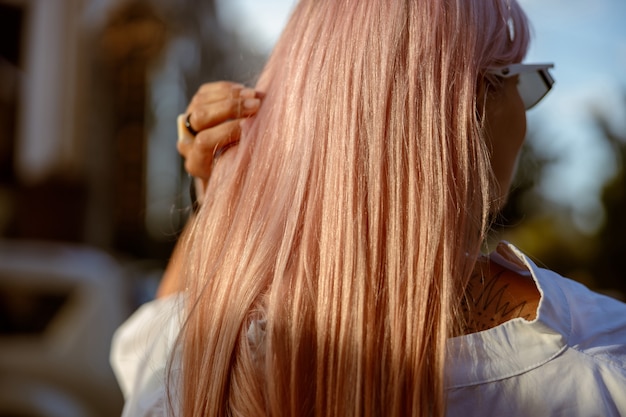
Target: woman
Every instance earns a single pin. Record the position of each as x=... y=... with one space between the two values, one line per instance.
x=334 y=267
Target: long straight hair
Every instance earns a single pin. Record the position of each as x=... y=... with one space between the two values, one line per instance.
x=325 y=268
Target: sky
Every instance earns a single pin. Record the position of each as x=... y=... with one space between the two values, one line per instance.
x=586 y=39
x=587 y=42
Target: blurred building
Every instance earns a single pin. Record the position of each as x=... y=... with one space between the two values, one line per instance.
x=74 y=138
x=92 y=191
x=89 y=91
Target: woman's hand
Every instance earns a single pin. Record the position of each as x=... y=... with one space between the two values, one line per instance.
x=215 y=113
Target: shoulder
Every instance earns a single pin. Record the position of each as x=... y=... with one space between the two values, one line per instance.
x=597 y=321
x=592 y=323
x=497 y=293
x=573 y=352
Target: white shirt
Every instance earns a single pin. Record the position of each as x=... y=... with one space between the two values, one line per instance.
x=569 y=361
x=141 y=357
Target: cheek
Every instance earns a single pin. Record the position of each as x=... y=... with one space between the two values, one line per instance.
x=519 y=124
x=512 y=123
x=517 y=134
x=506 y=129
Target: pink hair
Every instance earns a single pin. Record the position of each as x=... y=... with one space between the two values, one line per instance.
x=348 y=219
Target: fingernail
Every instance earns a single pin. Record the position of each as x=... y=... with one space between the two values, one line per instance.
x=251 y=103
x=247 y=93
x=235 y=90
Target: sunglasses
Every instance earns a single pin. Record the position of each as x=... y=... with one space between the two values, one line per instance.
x=534 y=80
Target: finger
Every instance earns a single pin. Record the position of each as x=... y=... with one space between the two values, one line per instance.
x=200 y=152
x=218 y=90
x=218 y=87
x=183 y=133
x=204 y=99
x=184 y=147
x=210 y=115
x=214 y=91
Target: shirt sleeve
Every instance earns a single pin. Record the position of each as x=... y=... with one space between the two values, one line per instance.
x=141 y=357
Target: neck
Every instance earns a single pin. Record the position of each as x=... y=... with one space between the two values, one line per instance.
x=495 y=295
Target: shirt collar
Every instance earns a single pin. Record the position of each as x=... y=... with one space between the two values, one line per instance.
x=518 y=345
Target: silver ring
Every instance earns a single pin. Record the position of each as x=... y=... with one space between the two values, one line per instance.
x=190 y=129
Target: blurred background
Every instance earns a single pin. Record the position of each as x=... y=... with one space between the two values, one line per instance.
x=93 y=193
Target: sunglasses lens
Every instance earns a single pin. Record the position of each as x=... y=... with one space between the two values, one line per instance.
x=533 y=86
